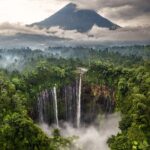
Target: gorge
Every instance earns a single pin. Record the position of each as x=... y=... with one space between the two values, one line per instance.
x=74 y=103
x=79 y=108
x=54 y=103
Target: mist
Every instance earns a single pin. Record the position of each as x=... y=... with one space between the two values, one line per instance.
x=91 y=137
x=95 y=34
x=11 y=62
x=18 y=36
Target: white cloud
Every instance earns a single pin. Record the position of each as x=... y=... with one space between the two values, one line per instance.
x=12 y=29
x=122 y=12
x=95 y=34
x=121 y=34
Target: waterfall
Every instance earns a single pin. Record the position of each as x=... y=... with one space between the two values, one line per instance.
x=67 y=105
x=55 y=105
x=43 y=102
x=79 y=102
x=40 y=109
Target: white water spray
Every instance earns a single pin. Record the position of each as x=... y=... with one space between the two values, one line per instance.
x=92 y=137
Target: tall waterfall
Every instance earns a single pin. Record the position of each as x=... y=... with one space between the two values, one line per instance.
x=43 y=101
x=40 y=110
x=79 y=102
x=73 y=104
x=80 y=71
x=55 y=105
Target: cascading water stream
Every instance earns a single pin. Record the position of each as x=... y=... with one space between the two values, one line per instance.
x=55 y=105
x=40 y=109
x=80 y=71
x=43 y=101
x=79 y=102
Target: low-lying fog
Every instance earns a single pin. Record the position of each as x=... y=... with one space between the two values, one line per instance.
x=92 y=137
x=16 y=35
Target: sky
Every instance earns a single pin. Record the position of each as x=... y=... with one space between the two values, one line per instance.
x=28 y=11
x=131 y=13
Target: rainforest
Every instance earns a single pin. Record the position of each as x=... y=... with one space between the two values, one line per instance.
x=75 y=98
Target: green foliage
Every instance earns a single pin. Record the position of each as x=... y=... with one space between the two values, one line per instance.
x=17 y=130
x=132 y=99
x=126 y=70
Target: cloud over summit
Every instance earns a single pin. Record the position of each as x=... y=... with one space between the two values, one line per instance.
x=120 y=11
x=95 y=34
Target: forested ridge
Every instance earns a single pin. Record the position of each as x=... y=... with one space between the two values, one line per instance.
x=127 y=74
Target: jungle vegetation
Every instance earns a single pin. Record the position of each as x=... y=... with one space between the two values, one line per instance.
x=125 y=69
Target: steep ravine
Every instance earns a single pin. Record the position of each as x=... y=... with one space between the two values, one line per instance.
x=95 y=100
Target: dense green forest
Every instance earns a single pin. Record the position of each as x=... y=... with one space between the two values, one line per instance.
x=24 y=73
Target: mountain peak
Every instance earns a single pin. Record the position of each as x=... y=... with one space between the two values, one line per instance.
x=71 y=18
x=71 y=5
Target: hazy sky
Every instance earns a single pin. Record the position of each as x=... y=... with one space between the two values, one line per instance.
x=122 y=12
x=27 y=11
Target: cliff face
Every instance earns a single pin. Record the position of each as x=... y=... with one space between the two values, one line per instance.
x=95 y=100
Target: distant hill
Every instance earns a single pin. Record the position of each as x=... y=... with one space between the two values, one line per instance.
x=71 y=18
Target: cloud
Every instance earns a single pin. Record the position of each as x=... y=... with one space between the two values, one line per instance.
x=119 y=11
x=68 y=34
x=140 y=6
x=122 y=12
x=95 y=34
x=7 y=29
x=104 y=34
x=12 y=29
x=121 y=34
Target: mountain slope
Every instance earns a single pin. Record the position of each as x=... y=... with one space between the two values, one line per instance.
x=71 y=18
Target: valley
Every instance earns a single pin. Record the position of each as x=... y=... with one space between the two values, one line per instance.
x=43 y=91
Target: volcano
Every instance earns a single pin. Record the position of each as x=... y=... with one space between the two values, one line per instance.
x=72 y=18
